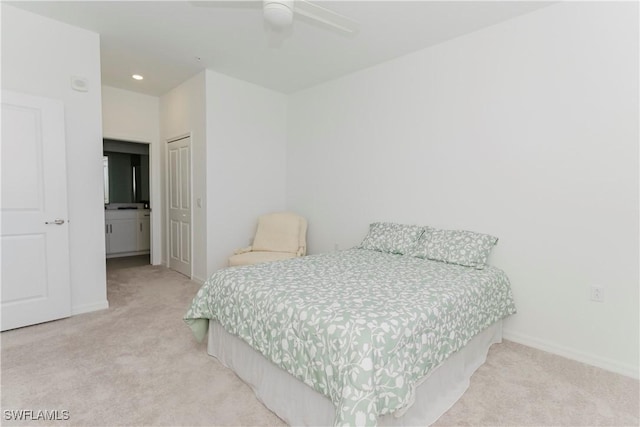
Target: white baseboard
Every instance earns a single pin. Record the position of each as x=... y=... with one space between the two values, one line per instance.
x=88 y=308
x=125 y=254
x=590 y=359
x=197 y=280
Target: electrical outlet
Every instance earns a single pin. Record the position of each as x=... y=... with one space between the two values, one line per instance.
x=597 y=293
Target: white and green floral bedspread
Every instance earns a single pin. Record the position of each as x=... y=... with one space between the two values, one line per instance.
x=361 y=327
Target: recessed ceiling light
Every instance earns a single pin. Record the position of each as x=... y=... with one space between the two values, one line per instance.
x=137 y=77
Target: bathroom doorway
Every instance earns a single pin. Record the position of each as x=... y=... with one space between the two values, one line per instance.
x=127 y=201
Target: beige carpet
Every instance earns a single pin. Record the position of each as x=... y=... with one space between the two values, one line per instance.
x=137 y=364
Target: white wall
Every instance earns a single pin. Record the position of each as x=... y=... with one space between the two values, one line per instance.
x=183 y=112
x=527 y=130
x=246 y=162
x=132 y=116
x=238 y=147
x=39 y=56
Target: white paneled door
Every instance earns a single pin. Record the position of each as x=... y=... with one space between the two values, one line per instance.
x=180 y=205
x=34 y=235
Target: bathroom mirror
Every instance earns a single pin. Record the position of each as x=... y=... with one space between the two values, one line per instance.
x=126 y=172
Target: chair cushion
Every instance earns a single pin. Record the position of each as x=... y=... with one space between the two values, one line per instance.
x=277 y=232
x=258 y=257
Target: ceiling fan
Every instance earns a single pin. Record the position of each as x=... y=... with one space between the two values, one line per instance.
x=279 y=15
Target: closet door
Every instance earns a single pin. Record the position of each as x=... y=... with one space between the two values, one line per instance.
x=179 y=154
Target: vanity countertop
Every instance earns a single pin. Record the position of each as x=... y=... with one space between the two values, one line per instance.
x=124 y=206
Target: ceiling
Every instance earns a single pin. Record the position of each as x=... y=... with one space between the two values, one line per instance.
x=170 y=41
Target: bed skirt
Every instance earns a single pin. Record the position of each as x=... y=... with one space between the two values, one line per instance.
x=300 y=405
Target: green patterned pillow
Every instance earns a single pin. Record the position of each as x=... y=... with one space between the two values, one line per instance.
x=455 y=247
x=391 y=238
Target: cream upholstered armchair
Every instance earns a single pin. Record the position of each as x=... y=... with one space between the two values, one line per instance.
x=280 y=235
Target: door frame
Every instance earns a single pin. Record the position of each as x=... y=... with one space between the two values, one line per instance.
x=167 y=222
x=155 y=257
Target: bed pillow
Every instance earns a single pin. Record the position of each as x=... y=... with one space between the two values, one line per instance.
x=455 y=247
x=391 y=238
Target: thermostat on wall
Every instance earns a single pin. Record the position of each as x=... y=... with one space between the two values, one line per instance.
x=79 y=83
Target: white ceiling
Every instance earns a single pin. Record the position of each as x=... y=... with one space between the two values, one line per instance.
x=170 y=41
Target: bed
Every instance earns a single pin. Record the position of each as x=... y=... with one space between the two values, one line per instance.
x=353 y=337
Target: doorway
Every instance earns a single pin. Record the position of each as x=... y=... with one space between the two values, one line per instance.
x=127 y=200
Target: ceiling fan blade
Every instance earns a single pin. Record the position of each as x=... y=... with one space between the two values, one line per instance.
x=326 y=16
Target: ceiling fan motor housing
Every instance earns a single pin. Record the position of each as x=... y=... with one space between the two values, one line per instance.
x=279 y=14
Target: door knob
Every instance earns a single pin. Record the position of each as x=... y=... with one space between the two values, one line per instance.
x=56 y=222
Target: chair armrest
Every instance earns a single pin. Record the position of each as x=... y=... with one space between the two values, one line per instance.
x=243 y=250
